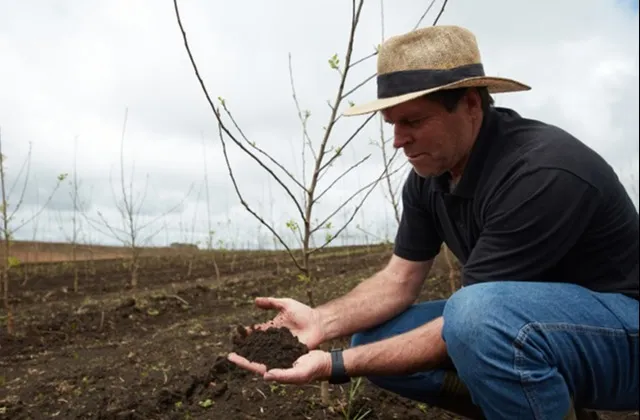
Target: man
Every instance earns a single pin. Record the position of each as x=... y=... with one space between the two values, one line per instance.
x=547 y=235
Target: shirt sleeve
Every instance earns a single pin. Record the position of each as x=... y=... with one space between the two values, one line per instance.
x=530 y=224
x=417 y=238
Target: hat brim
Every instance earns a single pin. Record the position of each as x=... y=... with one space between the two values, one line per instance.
x=494 y=85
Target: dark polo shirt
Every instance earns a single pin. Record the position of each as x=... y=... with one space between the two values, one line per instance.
x=534 y=204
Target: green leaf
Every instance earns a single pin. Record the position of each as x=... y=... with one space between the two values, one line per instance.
x=292 y=225
x=206 y=403
x=334 y=62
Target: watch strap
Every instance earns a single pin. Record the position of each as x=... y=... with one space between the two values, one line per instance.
x=338 y=372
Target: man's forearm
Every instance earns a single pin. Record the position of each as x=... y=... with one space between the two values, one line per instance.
x=372 y=302
x=416 y=350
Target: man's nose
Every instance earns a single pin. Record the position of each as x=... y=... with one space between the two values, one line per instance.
x=401 y=136
x=400 y=139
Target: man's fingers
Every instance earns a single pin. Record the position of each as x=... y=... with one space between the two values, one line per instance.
x=291 y=376
x=286 y=376
x=269 y=303
x=245 y=364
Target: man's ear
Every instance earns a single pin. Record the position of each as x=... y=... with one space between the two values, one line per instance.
x=473 y=102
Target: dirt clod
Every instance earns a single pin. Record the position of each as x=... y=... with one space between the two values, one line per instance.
x=275 y=347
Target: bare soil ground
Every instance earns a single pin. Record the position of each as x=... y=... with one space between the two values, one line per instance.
x=158 y=352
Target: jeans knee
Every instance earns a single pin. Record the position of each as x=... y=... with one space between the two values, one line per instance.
x=412 y=317
x=471 y=318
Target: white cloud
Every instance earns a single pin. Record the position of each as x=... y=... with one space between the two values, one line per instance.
x=70 y=69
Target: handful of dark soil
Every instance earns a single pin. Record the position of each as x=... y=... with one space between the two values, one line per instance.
x=274 y=347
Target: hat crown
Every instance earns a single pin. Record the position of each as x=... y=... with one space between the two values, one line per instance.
x=432 y=48
x=428 y=60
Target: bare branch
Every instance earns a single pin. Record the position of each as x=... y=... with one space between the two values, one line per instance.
x=306 y=140
x=27 y=163
x=317 y=198
x=262 y=152
x=392 y=197
x=6 y=249
x=346 y=143
x=117 y=203
x=244 y=203
x=303 y=118
x=355 y=17
x=150 y=236
x=322 y=154
x=363 y=59
x=435 y=22
x=77 y=204
x=401 y=180
x=44 y=206
x=355 y=211
x=127 y=206
x=359 y=85
x=374 y=183
x=9 y=231
x=114 y=230
x=206 y=184
x=218 y=116
x=423 y=16
x=144 y=193
x=382 y=19
x=170 y=210
x=339 y=95
x=192 y=238
x=387 y=162
x=366 y=232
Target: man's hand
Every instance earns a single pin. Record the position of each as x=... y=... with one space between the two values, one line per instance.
x=303 y=322
x=313 y=366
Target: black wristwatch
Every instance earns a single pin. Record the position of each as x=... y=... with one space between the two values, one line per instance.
x=338 y=373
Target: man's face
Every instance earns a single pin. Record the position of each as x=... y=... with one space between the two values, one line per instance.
x=434 y=140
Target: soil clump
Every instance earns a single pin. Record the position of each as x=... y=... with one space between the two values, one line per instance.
x=275 y=347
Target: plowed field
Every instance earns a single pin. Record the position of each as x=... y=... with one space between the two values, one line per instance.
x=158 y=352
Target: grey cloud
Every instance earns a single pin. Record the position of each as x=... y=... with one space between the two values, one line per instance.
x=73 y=69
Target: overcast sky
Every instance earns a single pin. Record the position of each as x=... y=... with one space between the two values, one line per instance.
x=70 y=69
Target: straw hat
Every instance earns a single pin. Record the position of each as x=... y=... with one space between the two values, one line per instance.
x=428 y=60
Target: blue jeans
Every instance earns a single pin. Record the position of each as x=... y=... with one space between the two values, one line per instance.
x=526 y=350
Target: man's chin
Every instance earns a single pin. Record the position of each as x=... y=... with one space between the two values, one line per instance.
x=427 y=172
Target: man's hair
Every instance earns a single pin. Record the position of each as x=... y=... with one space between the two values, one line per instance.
x=450 y=98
